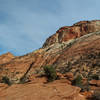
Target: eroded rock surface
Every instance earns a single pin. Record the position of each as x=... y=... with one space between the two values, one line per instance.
x=58 y=90
x=71 y=32
x=74 y=49
x=6 y=58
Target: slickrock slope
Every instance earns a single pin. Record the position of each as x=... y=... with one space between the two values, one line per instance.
x=38 y=91
x=79 y=53
x=73 y=49
x=71 y=32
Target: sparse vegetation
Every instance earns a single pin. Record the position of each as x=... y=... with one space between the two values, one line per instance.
x=23 y=80
x=77 y=81
x=6 y=80
x=85 y=87
x=50 y=73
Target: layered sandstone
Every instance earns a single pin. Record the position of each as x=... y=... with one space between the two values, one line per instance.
x=57 y=90
x=72 y=32
x=72 y=49
x=78 y=55
x=6 y=57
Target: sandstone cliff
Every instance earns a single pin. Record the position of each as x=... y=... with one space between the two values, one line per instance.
x=72 y=32
x=73 y=49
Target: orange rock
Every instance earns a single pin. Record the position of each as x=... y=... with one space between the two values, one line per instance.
x=38 y=91
x=95 y=82
x=69 y=76
x=61 y=76
x=61 y=52
x=6 y=57
x=98 y=83
x=71 y=32
x=87 y=94
x=83 y=51
x=3 y=86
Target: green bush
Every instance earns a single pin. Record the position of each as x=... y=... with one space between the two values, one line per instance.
x=6 y=80
x=50 y=73
x=77 y=81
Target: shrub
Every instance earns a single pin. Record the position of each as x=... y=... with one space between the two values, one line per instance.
x=77 y=81
x=23 y=80
x=50 y=73
x=6 y=80
x=85 y=87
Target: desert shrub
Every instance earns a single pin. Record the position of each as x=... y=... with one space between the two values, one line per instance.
x=6 y=80
x=23 y=80
x=85 y=87
x=77 y=81
x=50 y=73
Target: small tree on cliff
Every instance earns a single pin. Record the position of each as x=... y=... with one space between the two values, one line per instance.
x=50 y=73
x=6 y=80
x=77 y=81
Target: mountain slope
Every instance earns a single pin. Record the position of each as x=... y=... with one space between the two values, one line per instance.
x=71 y=49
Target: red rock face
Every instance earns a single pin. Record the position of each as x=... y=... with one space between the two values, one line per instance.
x=57 y=90
x=71 y=32
x=6 y=57
x=78 y=55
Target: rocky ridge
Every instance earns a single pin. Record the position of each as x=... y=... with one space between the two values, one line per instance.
x=76 y=53
x=77 y=30
x=74 y=49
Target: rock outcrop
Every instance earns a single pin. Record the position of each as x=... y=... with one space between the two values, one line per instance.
x=6 y=58
x=79 y=53
x=57 y=90
x=95 y=83
x=72 y=32
x=73 y=50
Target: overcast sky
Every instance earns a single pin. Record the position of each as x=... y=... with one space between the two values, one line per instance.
x=25 y=24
